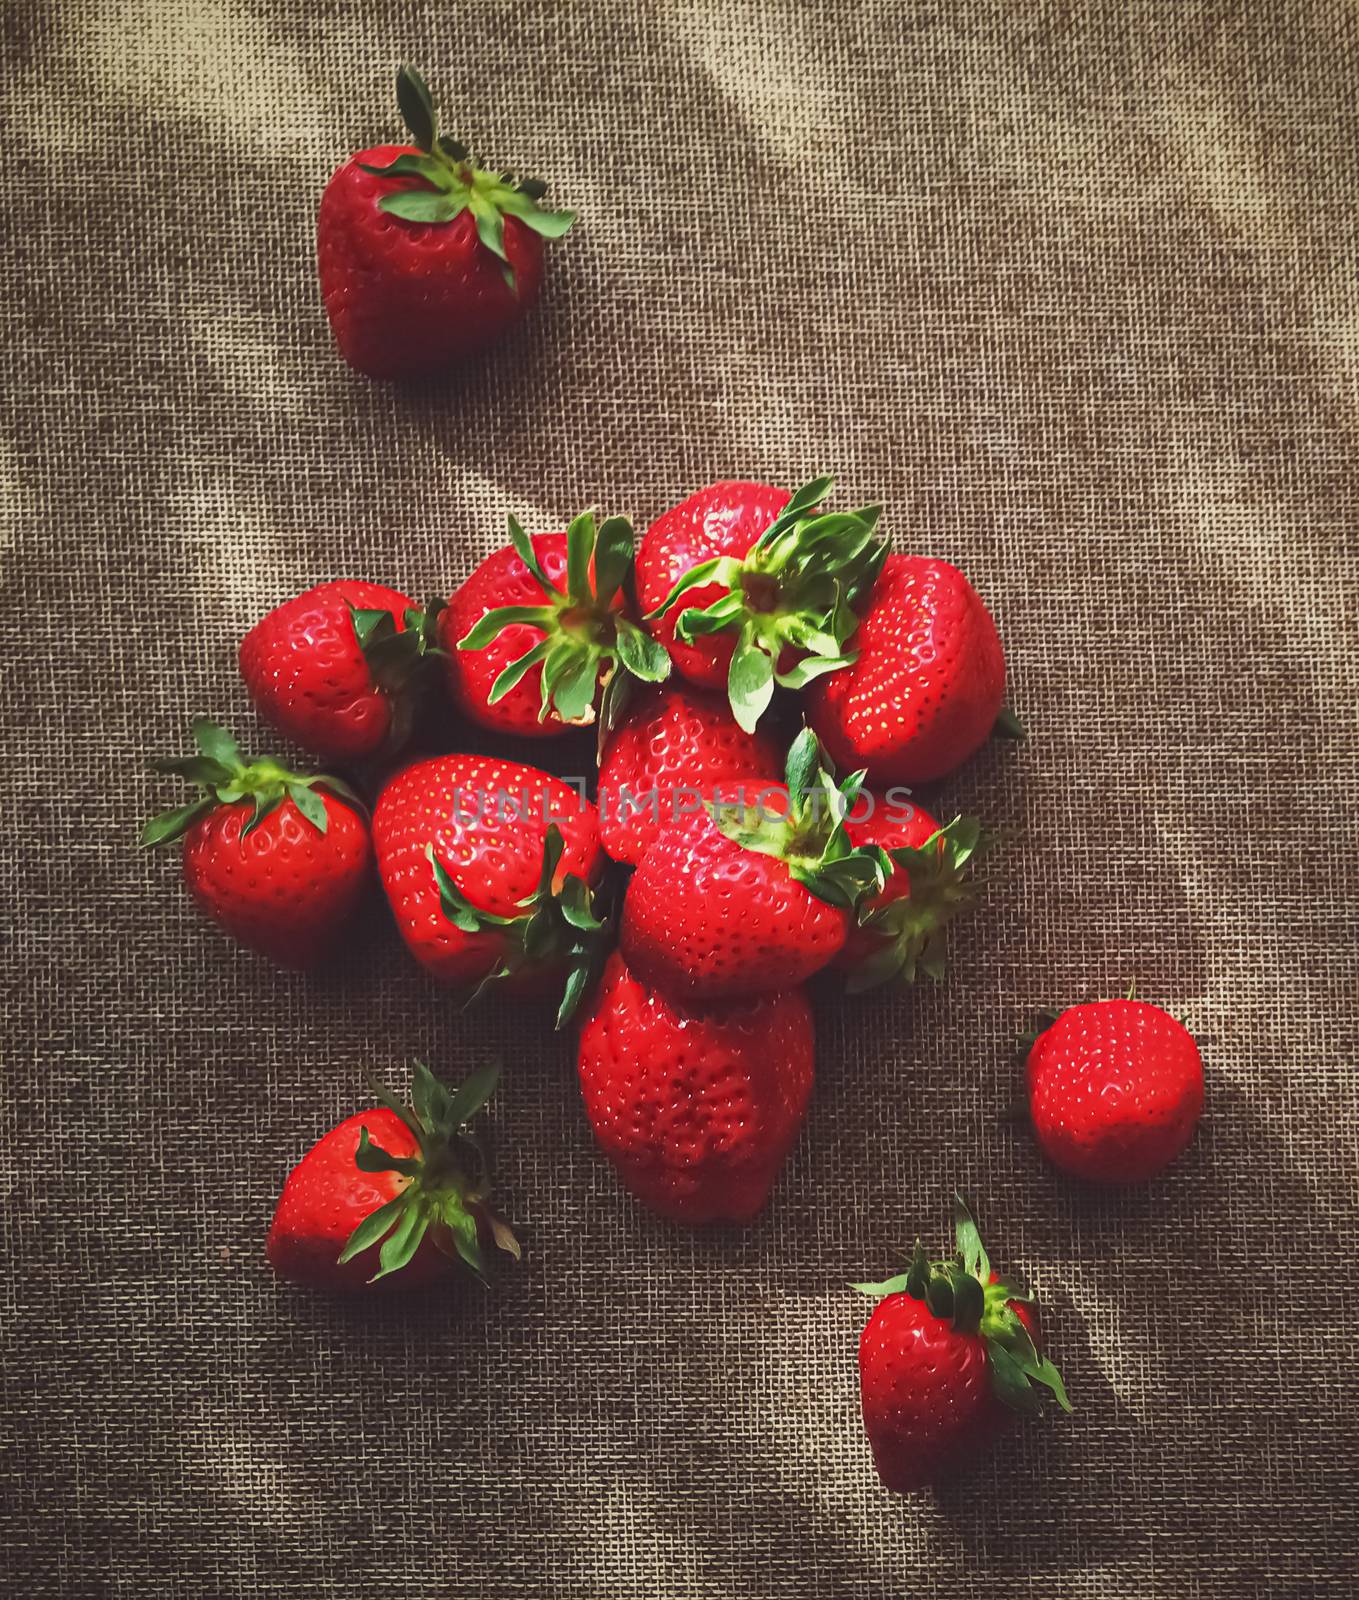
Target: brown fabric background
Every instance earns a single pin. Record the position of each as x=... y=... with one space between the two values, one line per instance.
x=1073 y=291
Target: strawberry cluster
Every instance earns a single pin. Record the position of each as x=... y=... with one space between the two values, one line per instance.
x=680 y=897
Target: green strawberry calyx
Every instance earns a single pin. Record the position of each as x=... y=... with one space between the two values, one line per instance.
x=457 y=183
x=795 y=589
x=399 y=659
x=585 y=638
x=911 y=928
x=960 y=1291
x=446 y=1184
x=810 y=837
x=560 y=923
x=223 y=776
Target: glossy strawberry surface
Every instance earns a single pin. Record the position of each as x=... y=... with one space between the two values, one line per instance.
x=724 y=519
x=326 y=1197
x=927 y=686
x=502 y=579
x=928 y=1405
x=675 y=748
x=1115 y=1090
x=696 y=1106
x=487 y=821
x=286 y=889
x=408 y=298
x=308 y=677
x=895 y=825
x=705 y=917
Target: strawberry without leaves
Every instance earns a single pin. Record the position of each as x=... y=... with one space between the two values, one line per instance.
x=769 y=586
x=673 y=750
x=489 y=867
x=277 y=858
x=757 y=897
x=1115 y=1090
x=425 y=258
x=925 y=690
x=336 y=669
x=951 y=1350
x=696 y=1107
x=538 y=628
x=394 y=1197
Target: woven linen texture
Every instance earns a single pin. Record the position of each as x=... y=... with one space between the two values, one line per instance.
x=1071 y=290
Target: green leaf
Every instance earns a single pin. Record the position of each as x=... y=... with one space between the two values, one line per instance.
x=217 y=744
x=490 y=224
x=573 y=991
x=644 y=657
x=691 y=580
x=197 y=769
x=310 y=804
x=574 y=692
x=462 y=1226
x=1048 y=1375
x=750 y=684
x=452 y=902
x=803 y=764
x=370 y=1157
x=503 y=1235
x=417 y=106
x=1008 y=726
x=472 y=1094
x=411 y=166
x=580 y=546
x=453 y=148
x=516 y=670
x=523 y=546
x=968 y=1236
x=574 y=903
x=888 y=1286
x=338 y=787
x=402 y=1242
x=939 y=1297
x=423 y=205
x=802 y=672
x=373 y=1227
x=885 y=964
x=494 y=623
x=614 y=546
x=547 y=224
x=174 y=824
x=1010 y=1382
x=263 y=808
x=371 y=625
x=968 y=1303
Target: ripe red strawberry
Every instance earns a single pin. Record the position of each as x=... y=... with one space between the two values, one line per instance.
x=769 y=587
x=538 y=628
x=488 y=866
x=393 y=1197
x=1115 y=1090
x=755 y=898
x=898 y=931
x=426 y=259
x=335 y=668
x=674 y=749
x=949 y=1352
x=696 y=1107
x=278 y=858
x=926 y=688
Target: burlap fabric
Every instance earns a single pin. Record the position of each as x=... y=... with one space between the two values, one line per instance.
x=1073 y=291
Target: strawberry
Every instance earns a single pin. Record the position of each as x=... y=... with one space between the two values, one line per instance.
x=674 y=749
x=898 y=931
x=424 y=257
x=925 y=690
x=754 y=896
x=950 y=1351
x=280 y=859
x=335 y=668
x=769 y=584
x=696 y=1107
x=1115 y=1090
x=538 y=627
x=394 y=1196
x=489 y=867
